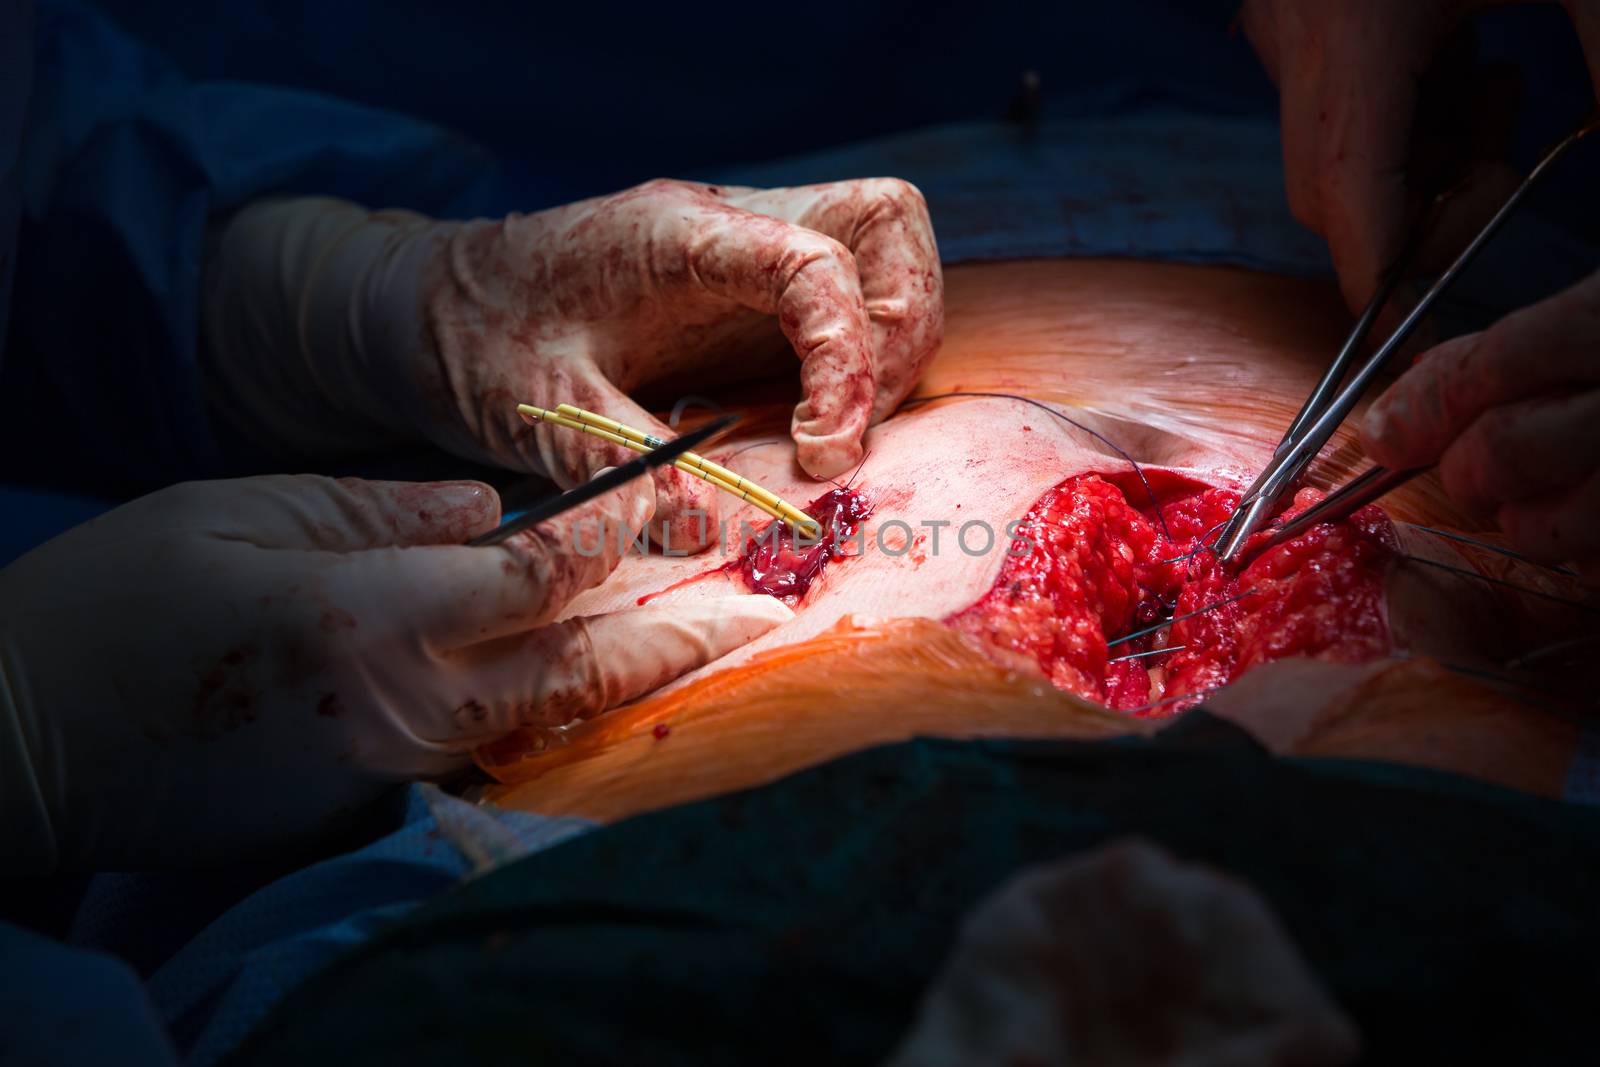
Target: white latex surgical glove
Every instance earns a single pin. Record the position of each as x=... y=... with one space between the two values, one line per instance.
x=328 y=326
x=222 y=668
x=1126 y=956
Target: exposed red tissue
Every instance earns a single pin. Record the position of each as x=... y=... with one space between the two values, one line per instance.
x=1097 y=566
x=774 y=562
x=1100 y=566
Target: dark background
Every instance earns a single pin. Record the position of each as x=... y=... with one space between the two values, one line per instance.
x=581 y=98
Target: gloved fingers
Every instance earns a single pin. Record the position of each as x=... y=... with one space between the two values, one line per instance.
x=416 y=513
x=1259 y=19
x=1413 y=421
x=570 y=457
x=884 y=223
x=1563 y=527
x=1469 y=206
x=582 y=666
x=512 y=307
x=1464 y=127
x=1523 y=451
x=440 y=598
x=558 y=560
x=686 y=508
x=810 y=282
x=1347 y=97
x=1542 y=348
x=1586 y=20
x=1346 y=162
x=1359 y=177
x=346 y=514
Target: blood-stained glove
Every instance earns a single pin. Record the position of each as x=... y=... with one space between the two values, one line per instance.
x=328 y=326
x=1512 y=417
x=224 y=667
x=1126 y=956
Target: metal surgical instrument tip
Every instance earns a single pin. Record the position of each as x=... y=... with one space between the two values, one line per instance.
x=1257 y=503
x=1356 y=494
x=1321 y=414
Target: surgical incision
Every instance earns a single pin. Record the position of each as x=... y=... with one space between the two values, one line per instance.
x=1100 y=568
x=1115 y=595
x=779 y=562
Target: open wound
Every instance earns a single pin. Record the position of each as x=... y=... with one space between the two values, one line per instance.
x=1085 y=595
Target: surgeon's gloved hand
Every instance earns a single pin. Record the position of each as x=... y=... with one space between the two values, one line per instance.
x=1126 y=956
x=1381 y=106
x=320 y=313
x=1510 y=415
x=224 y=667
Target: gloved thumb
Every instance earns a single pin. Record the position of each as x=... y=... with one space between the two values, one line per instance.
x=350 y=514
x=384 y=514
x=582 y=666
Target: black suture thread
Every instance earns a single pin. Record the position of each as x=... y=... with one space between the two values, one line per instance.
x=1179 y=618
x=1566 y=645
x=693 y=400
x=1577 y=605
x=1566 y=572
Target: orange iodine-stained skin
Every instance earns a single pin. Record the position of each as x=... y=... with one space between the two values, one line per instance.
x=780 y=712
x=1194 y=371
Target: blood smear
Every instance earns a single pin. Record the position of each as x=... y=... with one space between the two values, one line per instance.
x=777 y=563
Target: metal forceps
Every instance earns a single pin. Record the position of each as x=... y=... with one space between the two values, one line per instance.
x=1324 y=410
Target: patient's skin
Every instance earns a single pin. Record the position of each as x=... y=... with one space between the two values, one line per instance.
x=1188 y=370
x=1193 y=370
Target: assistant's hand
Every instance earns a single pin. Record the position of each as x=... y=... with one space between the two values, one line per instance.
x=677 y=280
x=225 y=666
x=1126 y=956
x=1358 y=118
x=1512 y=417
x=444 y=327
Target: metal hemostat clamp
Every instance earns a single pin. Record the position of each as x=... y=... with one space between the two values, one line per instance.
x=1323 y=411
x=1356 y=494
